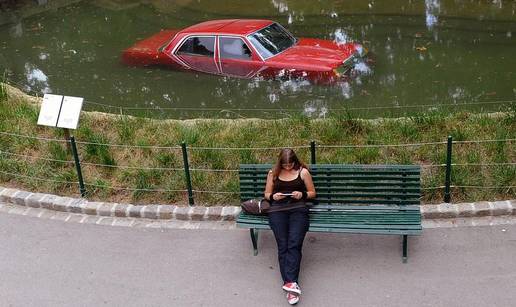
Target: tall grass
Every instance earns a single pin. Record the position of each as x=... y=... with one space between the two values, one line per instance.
x=121 y=163
x=3 y=92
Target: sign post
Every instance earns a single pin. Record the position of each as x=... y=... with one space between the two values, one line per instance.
x=63 y=112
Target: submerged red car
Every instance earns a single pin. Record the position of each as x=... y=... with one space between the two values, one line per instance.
x=246 y=48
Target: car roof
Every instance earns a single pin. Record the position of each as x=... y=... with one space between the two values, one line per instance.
x=229 y=26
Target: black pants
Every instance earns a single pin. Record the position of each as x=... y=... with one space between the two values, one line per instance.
x=289 y=228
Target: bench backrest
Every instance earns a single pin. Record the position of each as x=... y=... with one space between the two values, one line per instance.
x=338 y=184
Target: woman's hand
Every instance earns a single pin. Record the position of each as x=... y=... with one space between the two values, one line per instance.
x=278 y=196
x=297 y=195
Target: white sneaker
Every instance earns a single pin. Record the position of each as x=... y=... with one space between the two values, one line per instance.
x=292 y=287
x=292 y=298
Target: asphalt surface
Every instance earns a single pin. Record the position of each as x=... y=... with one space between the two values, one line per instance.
x=54 y=263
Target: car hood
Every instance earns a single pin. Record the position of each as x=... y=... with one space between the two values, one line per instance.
x=315 y=53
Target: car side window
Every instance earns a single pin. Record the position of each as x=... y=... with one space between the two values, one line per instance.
x=202 y=46
x=234 y=48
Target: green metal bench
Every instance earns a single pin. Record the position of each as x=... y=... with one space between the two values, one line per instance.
x=370 y=199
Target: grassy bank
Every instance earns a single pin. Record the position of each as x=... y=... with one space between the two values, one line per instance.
x=145 y=168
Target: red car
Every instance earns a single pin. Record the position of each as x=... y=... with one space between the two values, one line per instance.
x=246 y=48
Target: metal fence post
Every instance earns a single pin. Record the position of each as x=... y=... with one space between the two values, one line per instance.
x=447 y=196
x=187 y=174
x=77 y=166
x=312 y=152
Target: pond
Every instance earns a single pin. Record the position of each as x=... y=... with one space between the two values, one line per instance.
x=454 y=54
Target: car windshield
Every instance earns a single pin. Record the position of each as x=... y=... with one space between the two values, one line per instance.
x=271 y=40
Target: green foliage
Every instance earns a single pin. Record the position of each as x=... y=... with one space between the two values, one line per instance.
x=142 y=182
x=95 y=150
x=65 y=180
x=510 y=114
x=348 y=123
x=473 y=156
x=367 y=155
x=166 y=159
x=58 y=152
x=126 y=129
x=339 y=129
x=429 y=120
x=247 y=157
x=407 y=129
x=29 y=113
x=99 y=187
x=188 y=134
x=209 y=158
x=503 y=177
x=458 y=134
x=3 y=92
x=145 y=147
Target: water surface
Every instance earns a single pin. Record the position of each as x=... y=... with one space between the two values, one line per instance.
x=427 y=54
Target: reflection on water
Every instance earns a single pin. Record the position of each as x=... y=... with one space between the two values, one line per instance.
x=426 y=53
x=432 y=8
x=36 y=79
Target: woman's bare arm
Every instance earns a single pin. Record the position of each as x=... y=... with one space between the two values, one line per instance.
x=309 y=183
x=268 y=186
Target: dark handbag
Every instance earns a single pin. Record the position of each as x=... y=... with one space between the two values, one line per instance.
x=256 y=206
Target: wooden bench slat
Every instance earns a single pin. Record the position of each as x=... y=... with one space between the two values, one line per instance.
x=344 y=184
x=344 y=223
x=414 y=188
x=367 y=201
x=342 y=166
x=325 y=194
x=364 y=207
x=381 y=194
x=350 y=230
x=414 y=229
x=368 y=217
x=348 y=177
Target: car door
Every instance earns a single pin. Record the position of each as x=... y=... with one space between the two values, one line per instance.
x=198 y=53
x=237 y=58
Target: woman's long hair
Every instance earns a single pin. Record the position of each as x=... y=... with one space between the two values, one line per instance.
x=285 y=156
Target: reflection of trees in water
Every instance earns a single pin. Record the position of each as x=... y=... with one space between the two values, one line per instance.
x=432 y=10
x=6 y=5
x=165 y=6
x=37 y=80
x=14 y=11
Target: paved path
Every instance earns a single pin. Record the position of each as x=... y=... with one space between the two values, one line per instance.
x=47 y=262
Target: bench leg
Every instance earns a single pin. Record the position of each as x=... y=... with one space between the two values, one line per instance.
x=404 y=248
x=254 y=239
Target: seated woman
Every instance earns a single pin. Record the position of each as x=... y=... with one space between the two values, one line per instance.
x=289 y=185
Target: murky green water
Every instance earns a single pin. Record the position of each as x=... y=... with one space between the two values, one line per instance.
x=427 y=53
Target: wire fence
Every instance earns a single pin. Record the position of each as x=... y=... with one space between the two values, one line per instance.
x=38 y=178
x=131 y=189
x=256 y=148
x=39 y=138
x=187 y=170
x=34 y=157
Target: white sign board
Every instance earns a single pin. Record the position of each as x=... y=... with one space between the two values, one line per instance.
x=59 y=111
x=70 y=111
x=50 y=108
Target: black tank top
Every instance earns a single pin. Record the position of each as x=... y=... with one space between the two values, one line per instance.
x=288 y=187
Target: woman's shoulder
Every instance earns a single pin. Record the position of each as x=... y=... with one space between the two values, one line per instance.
x=304 y=172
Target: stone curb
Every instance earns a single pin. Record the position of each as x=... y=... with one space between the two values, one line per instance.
x=155 y=211
x=218 y=213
